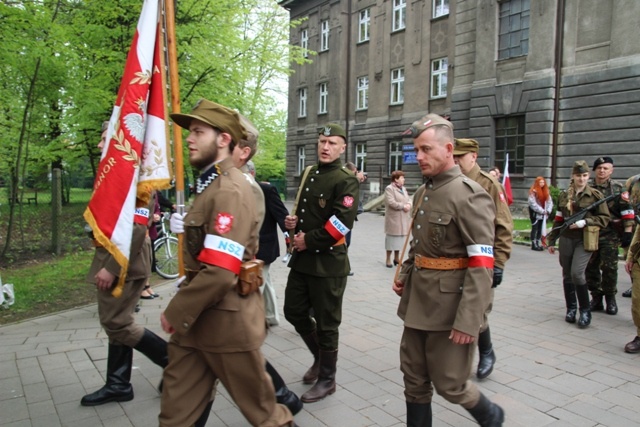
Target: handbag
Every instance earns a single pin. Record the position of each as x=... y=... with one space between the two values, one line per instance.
x=591 y=234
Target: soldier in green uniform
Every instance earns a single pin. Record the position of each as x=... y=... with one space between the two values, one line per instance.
x=602 y=270
x=633 y=187
x=465 y=154
x=573 y=255
x=326 y=209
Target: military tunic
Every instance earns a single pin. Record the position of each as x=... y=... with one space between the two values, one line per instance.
x=455 y=218
x=218 y=332
x=326 y=211
x=633 y=256
x=605 y=259
x=117 y=314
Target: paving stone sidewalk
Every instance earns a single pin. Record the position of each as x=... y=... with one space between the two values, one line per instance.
x=549 y=373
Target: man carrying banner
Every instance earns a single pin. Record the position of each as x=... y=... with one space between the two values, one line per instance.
x=116 y=314
x=217 y=325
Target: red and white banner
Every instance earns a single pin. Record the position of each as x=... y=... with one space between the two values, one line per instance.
x=135 y=158
x=506 y=181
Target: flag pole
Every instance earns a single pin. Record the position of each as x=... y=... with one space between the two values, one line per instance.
x=175 y=108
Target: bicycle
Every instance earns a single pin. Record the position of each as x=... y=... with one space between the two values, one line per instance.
x=166 y=250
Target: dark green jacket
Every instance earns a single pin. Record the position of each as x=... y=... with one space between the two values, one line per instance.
x=326 y=211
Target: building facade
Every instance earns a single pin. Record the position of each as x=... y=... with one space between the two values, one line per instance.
x=546 y=82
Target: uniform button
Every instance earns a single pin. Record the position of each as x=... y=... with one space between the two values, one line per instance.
x=304 y=200
x=426 y=198
x=191 y=222
x=306 y=189
x=331 y=248
x=302 y=210
x=421 y=212
x=317 y=250
x=418 y=226
x=185 y=325
x=301 y=220
x=317 y=172
x=322 y=195
x=439 y=219
x=312 y=179
x=430 y=185
x=416 y=242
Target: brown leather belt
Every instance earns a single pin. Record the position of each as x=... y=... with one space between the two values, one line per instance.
x=440 y=263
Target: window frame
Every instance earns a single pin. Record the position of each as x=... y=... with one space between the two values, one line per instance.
x=304 y=42
x=362 y=93
x=397 y=86
x=324 y=35
x=364 y=25
x=302 y=156
x=323 y=98
x=510 y=137
x=438 y=76
x=360 y=156
x=437 y=9
x=303 y=96
x=394 y=154
x=513 y=43
x=399 y=20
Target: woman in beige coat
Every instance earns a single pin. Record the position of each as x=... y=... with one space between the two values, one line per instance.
x=397 y=217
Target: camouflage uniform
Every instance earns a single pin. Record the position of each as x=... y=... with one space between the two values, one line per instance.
x=602 y=270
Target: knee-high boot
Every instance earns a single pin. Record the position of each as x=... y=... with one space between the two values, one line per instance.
x=585 y=308
x=154 y=347
x=118 y=386
x=284 y=396
x=419 y=414
x=570 y=299
x=326 y=383
x=486 y=353
x=313 y=344
x=487 y=413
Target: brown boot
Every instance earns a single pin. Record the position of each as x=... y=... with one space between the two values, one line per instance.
x=313 y=344
x=326 y=383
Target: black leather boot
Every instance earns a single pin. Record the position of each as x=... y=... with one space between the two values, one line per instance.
x=486 y=353
x=326 y=383
x=487 y=413
x=118 y=387
x=596 y=303
x=313 y=345
x=612 y=306
x=585 y=307
x=571 y=301
x=202 y=421
x=284 y=396
x=419 y=414
x=154 y=347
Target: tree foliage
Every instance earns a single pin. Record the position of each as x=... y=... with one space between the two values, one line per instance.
x=63 y=61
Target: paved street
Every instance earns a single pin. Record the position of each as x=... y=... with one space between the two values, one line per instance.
x=549 y=373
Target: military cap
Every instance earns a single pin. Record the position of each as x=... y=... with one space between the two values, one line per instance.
x=333 y=129
x=601 y=160
x=105 y=126
x=216 y=115
x=425 y=123
x=579 y=167
x=464 y=146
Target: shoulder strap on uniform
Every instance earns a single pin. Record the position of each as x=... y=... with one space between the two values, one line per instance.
x=304 y=178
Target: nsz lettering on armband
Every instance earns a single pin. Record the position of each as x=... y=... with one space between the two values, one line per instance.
x=230 y=247
x=339 y=225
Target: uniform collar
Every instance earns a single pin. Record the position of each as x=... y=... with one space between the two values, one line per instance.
x=326 y=167
x=208 y=176
x=444 y=177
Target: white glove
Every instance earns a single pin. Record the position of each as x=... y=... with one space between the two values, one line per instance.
x=176 y=223
x=581 y=223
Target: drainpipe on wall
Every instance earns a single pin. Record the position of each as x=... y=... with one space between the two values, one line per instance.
x=347 y=97
x=558 y=82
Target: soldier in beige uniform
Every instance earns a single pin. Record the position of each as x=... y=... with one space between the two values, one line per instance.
x=216 y=332
x=116 y=314
x=465 y=155
x=445 y=283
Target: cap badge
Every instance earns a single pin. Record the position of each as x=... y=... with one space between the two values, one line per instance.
x=426 y=123
x=327 y=131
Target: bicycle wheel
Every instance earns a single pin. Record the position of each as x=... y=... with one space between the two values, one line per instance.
x=166 y=250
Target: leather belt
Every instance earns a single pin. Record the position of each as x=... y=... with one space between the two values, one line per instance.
x=440 y=263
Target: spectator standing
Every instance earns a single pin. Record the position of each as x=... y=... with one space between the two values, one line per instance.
x=540 y=207
x=602 y=270
x=397 y=217
x=573 y=256
x=451 y=249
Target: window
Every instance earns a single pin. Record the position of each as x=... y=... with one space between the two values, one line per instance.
x=324 y=95
x=301 y=159
x=397 y=86
x=513 y=39
x=324 y=36
x=510 y=139
x=399 y=14
x=302 y=105
x=361 y=156
x=363 y=25
x=362 y=101
x=439 y=78
x=395 y=156
x=304 y=42
x=440 y=8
